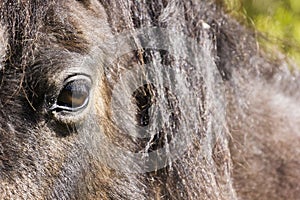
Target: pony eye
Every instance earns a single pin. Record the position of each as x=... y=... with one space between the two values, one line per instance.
x=73 y=96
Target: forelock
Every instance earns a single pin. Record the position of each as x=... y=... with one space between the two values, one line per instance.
x=3 y=45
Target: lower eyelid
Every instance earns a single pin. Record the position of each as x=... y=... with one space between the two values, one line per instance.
x=56 y=107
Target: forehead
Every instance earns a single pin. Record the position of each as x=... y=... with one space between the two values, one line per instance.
x=76 y=36
x=71 y=25
x=50 y=35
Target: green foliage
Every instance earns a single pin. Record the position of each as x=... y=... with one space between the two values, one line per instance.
x=279 y=23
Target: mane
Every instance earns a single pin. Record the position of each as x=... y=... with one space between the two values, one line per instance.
x=224 y=123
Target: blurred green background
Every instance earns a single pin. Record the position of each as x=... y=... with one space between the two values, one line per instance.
x=277 y=21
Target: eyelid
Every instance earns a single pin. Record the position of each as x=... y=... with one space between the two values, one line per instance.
x=77 y=76
x=66 y=108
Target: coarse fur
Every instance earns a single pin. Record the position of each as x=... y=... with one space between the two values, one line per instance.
x=246 y=144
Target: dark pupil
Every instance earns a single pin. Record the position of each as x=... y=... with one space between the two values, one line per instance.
x=74 y=95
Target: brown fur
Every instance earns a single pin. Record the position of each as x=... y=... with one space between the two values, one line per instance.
x=251 y=151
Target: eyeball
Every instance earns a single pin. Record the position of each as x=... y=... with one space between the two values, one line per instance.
x=74 y=95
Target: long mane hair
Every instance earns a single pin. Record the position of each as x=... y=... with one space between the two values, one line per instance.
x=230 y=108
